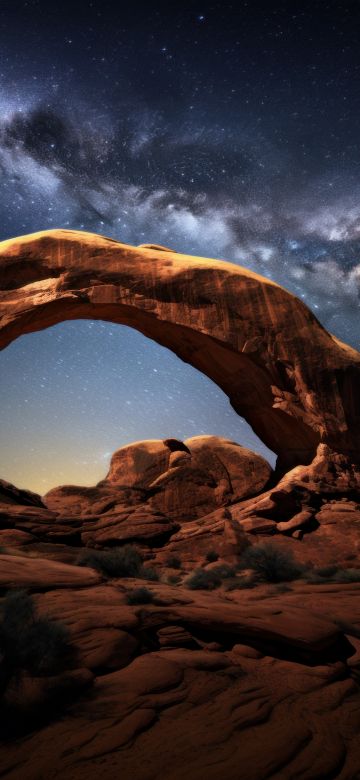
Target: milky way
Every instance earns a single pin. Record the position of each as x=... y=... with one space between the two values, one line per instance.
x=226 y=131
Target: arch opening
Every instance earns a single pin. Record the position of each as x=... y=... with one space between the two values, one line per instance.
x=74 y=393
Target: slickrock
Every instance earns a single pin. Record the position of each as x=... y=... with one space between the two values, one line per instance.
x=177 y=709
x=40 y=573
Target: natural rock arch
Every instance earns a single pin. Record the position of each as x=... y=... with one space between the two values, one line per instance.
x=293 y=382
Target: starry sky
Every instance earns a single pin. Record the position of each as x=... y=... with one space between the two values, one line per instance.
x=226 y=130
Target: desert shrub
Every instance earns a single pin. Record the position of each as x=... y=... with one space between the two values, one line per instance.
x=224 y=571
x=314 y=578
x=346 y=575
x=117 y=562
x=203 y=580
x=270 y=563
x=326 y=571
x=281 y=587
x=173 y=579
x=212 y=556
x=149 y=573
x=332 y=574
x=139 y=596
x=173 y=562
x=38 y=645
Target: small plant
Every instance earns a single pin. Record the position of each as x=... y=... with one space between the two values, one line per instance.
x=281 y=587
x=149 y=573
x=173 y=562
x=201 y=579
x=37 y=645
x=326 y=571
x=117 y=562
x=346 y=575
x=212 y=556
x=139 y=596
x=332 y=574
x=173 y=579
x=271 y=564
x=224 y=571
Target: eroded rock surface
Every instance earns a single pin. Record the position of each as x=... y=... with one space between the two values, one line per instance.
x=263 y=684
x=152 y=488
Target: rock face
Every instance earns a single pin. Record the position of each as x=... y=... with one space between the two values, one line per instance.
x=10 y=494
x=153 y=486
x=297 y=385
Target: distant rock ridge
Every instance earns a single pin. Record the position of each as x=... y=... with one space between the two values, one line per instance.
x=151 y=491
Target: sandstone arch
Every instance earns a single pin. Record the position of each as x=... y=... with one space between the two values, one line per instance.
x=294 y=383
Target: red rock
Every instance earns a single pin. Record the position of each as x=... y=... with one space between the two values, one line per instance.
x=151 y=527
x=297 y=534
x=10 y=494
x=183 y=485
x=106 y=648
x=258 y=525
x=242 y=472
x=195 y=539
x=216 y=674
x=174 y=636
x=138 y=464
x=297 y=521
x=257 y=341
x=15 y=538
x=150 y=488
x=78 y=501
x=39 y=573
x=173 y=711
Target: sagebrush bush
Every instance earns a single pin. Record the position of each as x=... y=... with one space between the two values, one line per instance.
x=224 y=571
x=201 y=579
x=173 y=579
x=270 y=563
x=149 y=573
x=346 y=575
x=139 y=596
x=326 y=571
x=173 y=562
x=116 y=562
x=38 y=645
x=212 y=556
x=331 y=574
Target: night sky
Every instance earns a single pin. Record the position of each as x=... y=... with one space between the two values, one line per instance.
x=227 y=130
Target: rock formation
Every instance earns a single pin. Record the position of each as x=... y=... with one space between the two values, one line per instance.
x=259 y=678
x=248 y=684
x=295 y=384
